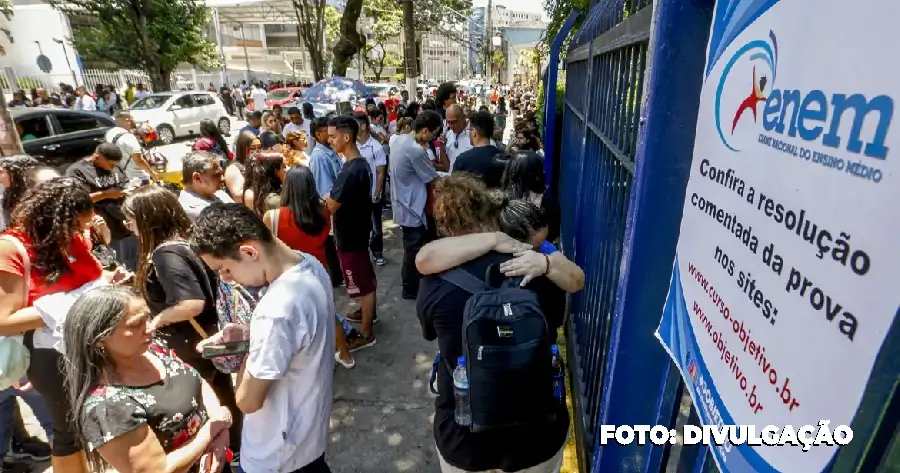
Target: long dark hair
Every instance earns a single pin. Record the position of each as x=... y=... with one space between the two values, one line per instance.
x=524 y=173
x=308 y=113
x=159 y=218
x=18 y=168
x=209 y=129
x=261 y=177
x=301 y=197
x=48 y=216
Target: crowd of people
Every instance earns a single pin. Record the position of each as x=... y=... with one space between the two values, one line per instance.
x=117 y=287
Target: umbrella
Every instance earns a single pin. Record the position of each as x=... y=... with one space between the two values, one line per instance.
x=336 y=89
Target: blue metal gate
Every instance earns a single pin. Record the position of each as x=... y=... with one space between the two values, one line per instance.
x=634 y=74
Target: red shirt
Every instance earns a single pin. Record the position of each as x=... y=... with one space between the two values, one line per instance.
x=294 y=236
x=84 y=268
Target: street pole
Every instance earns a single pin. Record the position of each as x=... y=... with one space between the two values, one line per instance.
x=223 y=70
x=409 y=47
x=246 y=57
x=488 y=42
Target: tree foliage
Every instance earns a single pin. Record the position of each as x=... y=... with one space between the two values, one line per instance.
x=558 y=11
x=6 y=11
x=153 y=35
x=429 y=15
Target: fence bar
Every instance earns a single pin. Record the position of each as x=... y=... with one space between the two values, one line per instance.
x=550 y=96
x=640 y=385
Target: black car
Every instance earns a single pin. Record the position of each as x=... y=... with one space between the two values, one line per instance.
x=59 y=136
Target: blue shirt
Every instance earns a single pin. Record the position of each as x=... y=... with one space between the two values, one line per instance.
x=547 y=248
x=251 y=129
x=325 y=165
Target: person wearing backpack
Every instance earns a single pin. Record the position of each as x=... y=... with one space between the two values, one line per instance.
x=505 y=331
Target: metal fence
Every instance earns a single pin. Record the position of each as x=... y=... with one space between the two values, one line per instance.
x=633 y=82
x=181 y=79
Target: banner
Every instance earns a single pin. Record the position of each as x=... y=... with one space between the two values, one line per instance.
x=476 y=39
x=786 y=278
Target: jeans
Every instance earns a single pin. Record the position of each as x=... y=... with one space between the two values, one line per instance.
x=7 y=413
x=376 y=242
x=414 y=238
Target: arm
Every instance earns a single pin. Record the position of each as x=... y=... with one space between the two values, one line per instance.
x=268 y=220
x=443 y=163
x=139 y=451
x=107 y=194
x=380 y=171
x=184 y=294
x=249 y=199
x=529 y=264
x=138 y=159
x=234 y=182
x=14 y=320
x=565 y=274
x=272 y=348
x=332 y=204
x=446 y=253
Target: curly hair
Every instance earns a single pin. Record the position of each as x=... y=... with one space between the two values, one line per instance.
x=48 y=216
x=261 y=177
x=463 y=205
x=18 y=168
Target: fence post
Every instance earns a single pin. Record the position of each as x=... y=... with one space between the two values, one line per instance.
x=640 y=382
x=550 y=96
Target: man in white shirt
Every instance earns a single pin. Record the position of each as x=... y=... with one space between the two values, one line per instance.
x=457 y=134
x=84 y=100
x=202 y=176
x=373 y=152
x=134 y=165
x=297 y=123
x=285 y=385
x=258 y=95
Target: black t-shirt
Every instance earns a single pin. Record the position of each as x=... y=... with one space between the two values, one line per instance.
x=553 y=214
x=353 y=220
x=440 y=307
x=176 y=275
x=95 y=179
x=484 y=161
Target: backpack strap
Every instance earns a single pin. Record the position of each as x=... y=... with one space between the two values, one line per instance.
x=464 y=280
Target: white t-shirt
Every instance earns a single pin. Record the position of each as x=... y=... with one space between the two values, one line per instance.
x=291 y=342
x=53 y=309
x=457 y=144
x=292 y=127
x=85 y=102
x=259 y=99
x=374 y=154
x=141 y=94
x=129 y=145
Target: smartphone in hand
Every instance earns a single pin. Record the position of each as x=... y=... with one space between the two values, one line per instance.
x=226 y=349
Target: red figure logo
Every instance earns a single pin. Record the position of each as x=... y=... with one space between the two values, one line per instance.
x=750 y=102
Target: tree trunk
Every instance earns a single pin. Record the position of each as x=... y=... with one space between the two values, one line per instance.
x=10 y=144
x=350 y=42
x=160 y=80
x=317 y=62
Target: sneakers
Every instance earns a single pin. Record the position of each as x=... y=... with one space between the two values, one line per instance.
x=356 y=317
x=379 y=260
x=346 y=364
x=360 y=342
x=31 y=448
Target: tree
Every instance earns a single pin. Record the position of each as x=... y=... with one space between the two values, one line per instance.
x=385 y=16
x=153 y=35
x=558 y=10
x=311 y=15
x=442 y=15
x=350 y=40
x=10 y=144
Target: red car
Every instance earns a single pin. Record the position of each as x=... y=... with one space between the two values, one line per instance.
x=284 y=96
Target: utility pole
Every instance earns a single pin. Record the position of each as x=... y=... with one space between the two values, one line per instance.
x=409 y=47
x=488 y=42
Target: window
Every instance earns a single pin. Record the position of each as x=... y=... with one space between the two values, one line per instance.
x=185 y=101
x=75 y=122
x=33 y=128
x=203 y=99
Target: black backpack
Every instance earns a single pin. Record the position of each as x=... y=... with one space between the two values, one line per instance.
x=506 y=343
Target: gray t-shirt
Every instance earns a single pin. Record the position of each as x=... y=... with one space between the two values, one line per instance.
x=410 y=171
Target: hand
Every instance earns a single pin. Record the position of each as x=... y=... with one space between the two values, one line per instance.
x=507 y=244
x=230 y=333
x=216 y=454
x=156 y=323
x=527 y=264
x=114 y=193
x=99 y=224
x=442 y=139
x=376 y=200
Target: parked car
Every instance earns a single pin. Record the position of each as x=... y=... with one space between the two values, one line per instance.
x=60 y=136
x=284 y=96
x=178 y=113
x=381 y=91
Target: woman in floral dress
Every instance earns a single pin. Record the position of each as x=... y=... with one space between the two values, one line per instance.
x=136 y=407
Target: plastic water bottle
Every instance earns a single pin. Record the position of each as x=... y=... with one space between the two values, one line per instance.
x=558 y=373
x=463 y=414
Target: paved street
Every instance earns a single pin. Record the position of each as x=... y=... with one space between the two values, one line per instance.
x=381 y=421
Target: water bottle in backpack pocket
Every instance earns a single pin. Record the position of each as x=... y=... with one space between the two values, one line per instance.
x=463 y=408
x=559 y=374
x=506 y=345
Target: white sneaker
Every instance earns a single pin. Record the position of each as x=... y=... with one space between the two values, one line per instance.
x=345 y=364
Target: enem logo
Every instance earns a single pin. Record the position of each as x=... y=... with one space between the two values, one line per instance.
x=835 y=121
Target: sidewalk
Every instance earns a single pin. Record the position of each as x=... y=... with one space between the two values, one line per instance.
x=381 y=420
